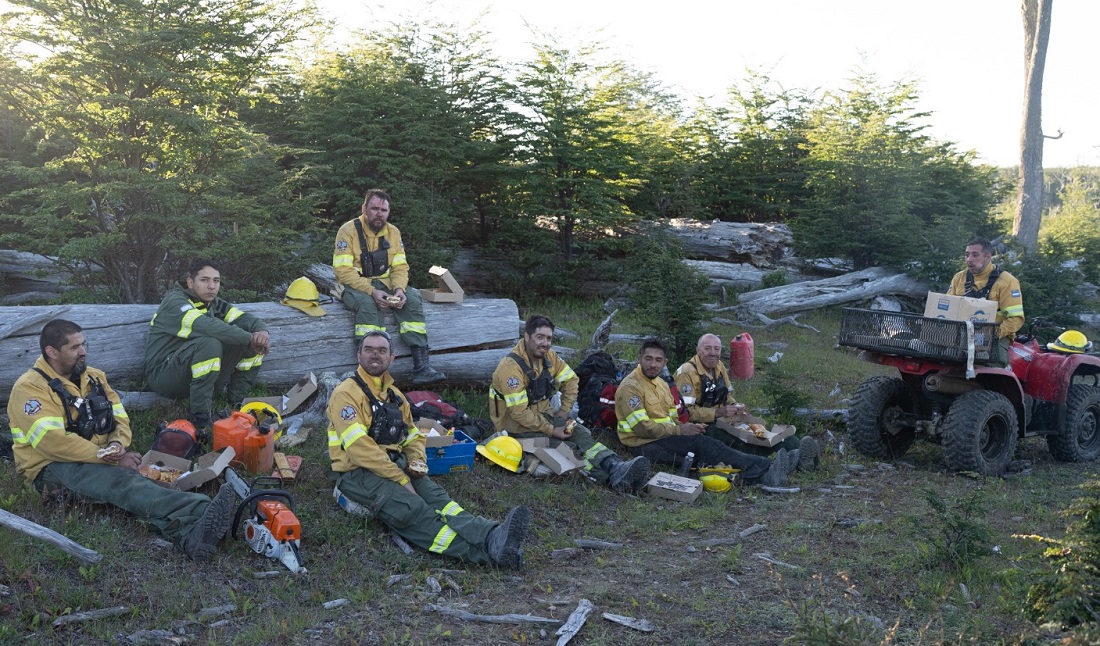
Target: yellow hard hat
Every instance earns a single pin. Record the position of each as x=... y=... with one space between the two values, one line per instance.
x=1070 y=341
x=303 y=295
x=715 y=482
x=261 y=411
x=503 y=451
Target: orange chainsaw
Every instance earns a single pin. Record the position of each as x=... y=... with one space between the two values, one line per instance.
x=271 y=527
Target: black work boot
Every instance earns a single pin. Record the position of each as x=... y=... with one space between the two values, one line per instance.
x=776 y=475
x=626 y=476
x=809 y=458
x=423 y=373
x=503 y=542
x=202 y=541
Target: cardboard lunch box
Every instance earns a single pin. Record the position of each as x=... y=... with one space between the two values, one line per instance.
x=447 y=289
x=295 y=397
x=673 y=487
x=446 y=453
x=206 y=467
x=559 y=459
x=737 y=426
x=959 y=308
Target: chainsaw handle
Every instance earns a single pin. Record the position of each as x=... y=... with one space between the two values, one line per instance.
x=250 y=503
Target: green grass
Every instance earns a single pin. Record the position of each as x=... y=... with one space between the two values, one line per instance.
x=872 y=583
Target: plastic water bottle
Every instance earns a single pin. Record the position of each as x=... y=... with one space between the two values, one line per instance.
x=685 y=468
x=349 y=505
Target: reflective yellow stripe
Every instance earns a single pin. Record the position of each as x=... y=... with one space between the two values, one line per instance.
x=1012 y=310
x=410 y=326
x=565 y=375
x=119 y=411
x=203 y=368
x=515 y=399
x=414 y=433
x=387 y=274
x=333 y=438
x=627 y=425
x=352 y=433
x=661 y=420
x=233 y=314
x=153 y=320
x=343 y=260
x=249 y=363
x=451 y=509
x=398 y=259
x=442 y=540
x=40 y=428
x=189 y=318
x=596 y=449
x=17 y=436
x=361 y=329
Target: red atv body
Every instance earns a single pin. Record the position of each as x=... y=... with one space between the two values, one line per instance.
x=977 y=418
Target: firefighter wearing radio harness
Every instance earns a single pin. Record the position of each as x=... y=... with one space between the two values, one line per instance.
x=983 y=279
x=524 y=383
x=71 y=432
x=369 y=263
x=378 y=461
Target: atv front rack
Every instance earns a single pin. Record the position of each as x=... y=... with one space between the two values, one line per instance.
x=911 y=335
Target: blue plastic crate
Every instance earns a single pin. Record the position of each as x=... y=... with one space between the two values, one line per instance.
x=455 y=458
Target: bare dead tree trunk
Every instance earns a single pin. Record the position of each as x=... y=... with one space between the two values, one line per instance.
x=1029 y=205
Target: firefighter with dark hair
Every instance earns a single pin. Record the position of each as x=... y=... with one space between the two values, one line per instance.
x=199 y=343
x=71 y=433
x=370 y=265
x=983 y=279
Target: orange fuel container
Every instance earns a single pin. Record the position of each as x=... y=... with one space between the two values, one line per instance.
x=253 y=446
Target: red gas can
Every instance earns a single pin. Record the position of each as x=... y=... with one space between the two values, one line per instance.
x=254 y=447
x=741 y=356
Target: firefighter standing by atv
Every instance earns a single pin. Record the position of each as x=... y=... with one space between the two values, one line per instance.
x=983 y=279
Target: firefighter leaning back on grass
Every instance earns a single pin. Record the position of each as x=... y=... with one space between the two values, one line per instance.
x=524 y=384
x=71 y=432
x=199 y=342
x=378 y=461
x=983 y=279
x=704 y=385
x=369 y=263
x=649 y=426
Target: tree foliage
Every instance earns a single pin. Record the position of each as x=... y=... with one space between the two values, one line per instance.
x=145 y=163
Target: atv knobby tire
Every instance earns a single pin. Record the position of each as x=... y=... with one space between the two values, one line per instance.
x=1080 y=440
x=875 y=417
x=979 y=433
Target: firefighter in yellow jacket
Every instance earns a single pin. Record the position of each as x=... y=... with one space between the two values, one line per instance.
x=369 y=262
x=379 y=462
x=704 y=385
x=70 y=432
x=524 y=384
x=649 y=426
x=983 y=279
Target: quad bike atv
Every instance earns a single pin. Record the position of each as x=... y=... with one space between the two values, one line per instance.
x=948 y=391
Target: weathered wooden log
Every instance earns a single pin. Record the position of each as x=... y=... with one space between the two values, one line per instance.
x=491 y=619
x=830 y=292
x=63 y=543
x=630 y=622
x=468 y=340
x=29 y=272
x=767 y=246
x=102 y=613
x=576 y=620
x=741 y=276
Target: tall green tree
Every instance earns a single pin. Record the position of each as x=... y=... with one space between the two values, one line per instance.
x=1074 y=226
x=136 y=102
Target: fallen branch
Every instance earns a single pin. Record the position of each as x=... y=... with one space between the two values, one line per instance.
x=566 y=552
x=764 y=556
x=780 y=489
x=575 y=622
x=491 y=619
x=590 y=544
x=752 y=530
x=601 y=335
x=629 y=622
x=78 y=617
x=397 y=578
x=401 y=543
x=770 y=323
x=715 y=542
x=67 y=545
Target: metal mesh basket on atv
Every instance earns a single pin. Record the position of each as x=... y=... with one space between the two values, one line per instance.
x=911 y=335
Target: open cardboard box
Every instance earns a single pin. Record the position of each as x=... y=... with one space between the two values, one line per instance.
x=435 y=435
x=960 y=308
x=447 y=289
x=560 y=459
x=293 y=398
x=737 y=426
x=672 y=487
x=205 y=469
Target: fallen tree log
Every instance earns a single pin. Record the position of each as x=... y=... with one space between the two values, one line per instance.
x=65 y=544
x=830 y=292
x=739 y=276
x=468 y=340
x=766 y=246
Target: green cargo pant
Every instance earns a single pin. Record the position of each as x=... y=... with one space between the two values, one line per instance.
x=791 y=443
x=199 y=367
x=174 y=513
x=410 y=319
x=582 y=443
x=428 y=518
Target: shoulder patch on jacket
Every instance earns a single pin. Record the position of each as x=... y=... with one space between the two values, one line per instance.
x=1016 y=293
x=513 y=382
x=341 y=244
x=634 y=401
x=686 y=390
x=32 y=407
x=347 y=413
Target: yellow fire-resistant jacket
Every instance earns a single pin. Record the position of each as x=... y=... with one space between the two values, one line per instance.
x=347 y=262
x=1006 y=291
x=509 y=407
x=690 y=385
x=349 y=443
x=645 y=409
x=38 y=421
x=182 y=315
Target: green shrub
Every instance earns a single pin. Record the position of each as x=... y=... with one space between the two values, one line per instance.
x=777 y=278
x=957 y=532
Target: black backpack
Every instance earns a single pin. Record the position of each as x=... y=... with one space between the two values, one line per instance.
x=595 y=373
x=425 y=403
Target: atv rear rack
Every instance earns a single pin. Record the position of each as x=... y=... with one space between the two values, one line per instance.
x=911 y=335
